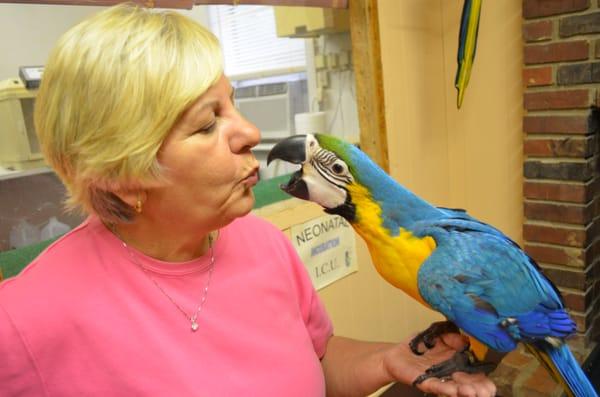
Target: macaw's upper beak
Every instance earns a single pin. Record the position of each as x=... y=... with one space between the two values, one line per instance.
x=292 y=150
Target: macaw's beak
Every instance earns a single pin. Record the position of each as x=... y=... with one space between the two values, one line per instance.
x=292 y=150
x=296 y=186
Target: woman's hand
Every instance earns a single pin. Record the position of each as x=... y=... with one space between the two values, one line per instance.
x=405 y=366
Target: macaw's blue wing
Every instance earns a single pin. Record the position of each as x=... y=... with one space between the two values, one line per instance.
x=484 y=283
x=467 y=46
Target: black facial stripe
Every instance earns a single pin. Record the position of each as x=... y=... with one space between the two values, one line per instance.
x=324 y=156
x=322 y=160
x=324 y=172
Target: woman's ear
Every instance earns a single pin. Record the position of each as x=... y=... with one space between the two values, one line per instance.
x=133 y=198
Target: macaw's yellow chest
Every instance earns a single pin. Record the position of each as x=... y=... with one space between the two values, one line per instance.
x=397 y=257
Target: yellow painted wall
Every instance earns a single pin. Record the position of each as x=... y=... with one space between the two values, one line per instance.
x=469 y=158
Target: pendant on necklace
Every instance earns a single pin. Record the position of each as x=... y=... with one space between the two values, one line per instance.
x=194 y=326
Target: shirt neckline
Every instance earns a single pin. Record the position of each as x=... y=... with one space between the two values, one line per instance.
x=200 y=264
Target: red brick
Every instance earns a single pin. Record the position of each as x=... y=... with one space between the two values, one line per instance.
x=504 y=377
x=583 y=340
x=556 y=124
x=538 y=31
x=593 y=231
x=533 y=77
x=574 y=193
x=576 y=171
x=517 y=359
x=537 y=148
x=541 y=382
x=554 y=235
x=557 y=52
x=568 y=99
x=579 y=24
x=543 y=8
x=556 y=255
x=595 y=329
x=581 y=320
x=565 y=147
x=566 y=277
x=578 y=73
x=591 y=252
x=564 y=213
x=575 y=300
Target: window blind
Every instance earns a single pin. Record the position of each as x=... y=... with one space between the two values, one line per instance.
x=250 y=44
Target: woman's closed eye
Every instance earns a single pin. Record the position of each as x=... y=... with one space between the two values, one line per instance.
x=208 y=128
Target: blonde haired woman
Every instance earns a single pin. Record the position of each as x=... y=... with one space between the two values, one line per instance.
x=170 y=288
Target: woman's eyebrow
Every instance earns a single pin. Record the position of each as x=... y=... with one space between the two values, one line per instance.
x=213 y=102
x=210 y=104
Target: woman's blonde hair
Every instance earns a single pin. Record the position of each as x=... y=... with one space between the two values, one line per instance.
x=112 y=89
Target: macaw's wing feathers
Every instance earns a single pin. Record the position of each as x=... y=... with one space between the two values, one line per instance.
x=482 y=281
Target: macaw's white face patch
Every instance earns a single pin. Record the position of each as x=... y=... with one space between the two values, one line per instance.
x=320 y=190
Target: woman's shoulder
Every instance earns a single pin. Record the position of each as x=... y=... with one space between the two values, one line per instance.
x=51 y=265
x=252 y=233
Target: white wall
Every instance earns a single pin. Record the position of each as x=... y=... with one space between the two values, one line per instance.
x=28 y=31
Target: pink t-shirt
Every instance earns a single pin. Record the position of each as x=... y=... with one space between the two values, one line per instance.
x=84 y=320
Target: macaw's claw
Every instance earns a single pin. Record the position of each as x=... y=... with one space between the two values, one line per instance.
x=463 y=361
x=429 y=336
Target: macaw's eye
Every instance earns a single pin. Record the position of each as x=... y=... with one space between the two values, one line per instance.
x=337 y=168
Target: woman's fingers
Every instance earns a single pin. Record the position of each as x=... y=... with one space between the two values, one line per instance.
x=482 y=384
x=439 y=386
x=460 y=385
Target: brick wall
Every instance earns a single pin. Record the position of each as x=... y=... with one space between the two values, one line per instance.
x=561 y=231
x=561 y=75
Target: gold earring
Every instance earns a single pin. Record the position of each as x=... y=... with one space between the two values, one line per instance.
x=138 y=206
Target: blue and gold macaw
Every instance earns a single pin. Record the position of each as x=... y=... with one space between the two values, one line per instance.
x=467 y=46
x=472 y=273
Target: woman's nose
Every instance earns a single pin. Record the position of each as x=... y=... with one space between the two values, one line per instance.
x=247 y=135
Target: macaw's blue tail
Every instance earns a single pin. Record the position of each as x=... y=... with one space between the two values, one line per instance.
x=563 y=367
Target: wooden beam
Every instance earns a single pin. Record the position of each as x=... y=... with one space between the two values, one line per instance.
x=190 y=3
x=366 y=60
x=299 y=3
x=147 y=3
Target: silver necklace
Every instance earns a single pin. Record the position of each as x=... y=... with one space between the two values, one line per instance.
x=193 y=317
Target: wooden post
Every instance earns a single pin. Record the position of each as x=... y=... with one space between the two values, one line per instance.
x=366 y=59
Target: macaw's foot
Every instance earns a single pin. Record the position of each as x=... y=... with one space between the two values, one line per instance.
x=429 y=336
x=463 y=361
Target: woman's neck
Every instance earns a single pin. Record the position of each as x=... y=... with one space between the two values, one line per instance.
x=165 y=243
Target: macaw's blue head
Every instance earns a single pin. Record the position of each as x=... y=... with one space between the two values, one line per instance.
x=328 y=168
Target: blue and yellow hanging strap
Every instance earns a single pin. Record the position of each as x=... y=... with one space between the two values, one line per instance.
x=467 y=45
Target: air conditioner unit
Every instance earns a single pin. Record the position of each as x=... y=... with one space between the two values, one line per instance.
x=271 y=106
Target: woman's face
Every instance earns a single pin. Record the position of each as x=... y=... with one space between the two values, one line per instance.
x=209 y=164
